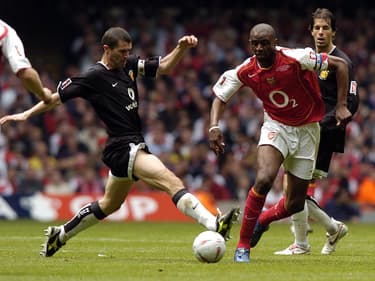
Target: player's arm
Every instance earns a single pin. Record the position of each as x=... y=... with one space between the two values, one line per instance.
x=227 y=85
x=168 y=62
x=35 y=110
x=13 y=49
x=342 y=77
x=31 y=81
x=215 y=136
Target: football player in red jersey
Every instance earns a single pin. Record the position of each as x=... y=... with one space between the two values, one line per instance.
x=285 y=81
x=12 y=48
x=332 y=137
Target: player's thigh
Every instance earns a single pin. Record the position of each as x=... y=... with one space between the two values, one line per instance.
x=151 y=170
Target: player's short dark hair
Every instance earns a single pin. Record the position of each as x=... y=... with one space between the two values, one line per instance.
x=323 y=13
x=115 y=34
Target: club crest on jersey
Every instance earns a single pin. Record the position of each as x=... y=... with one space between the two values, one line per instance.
x=65 y=84
x=270 y=80
x=131 y=74
x=323 y=74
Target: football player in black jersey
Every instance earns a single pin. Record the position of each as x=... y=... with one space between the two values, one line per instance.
x=110 y=86
x=332 y=138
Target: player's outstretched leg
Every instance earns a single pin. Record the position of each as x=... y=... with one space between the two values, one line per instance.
x=257 y=234
x=332 y=239
x=52 y=243
x=224 y=222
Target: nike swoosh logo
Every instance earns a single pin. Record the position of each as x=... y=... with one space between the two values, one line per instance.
x=251 y=75
x=250 y=218
x=114 y=84
x=196 y=205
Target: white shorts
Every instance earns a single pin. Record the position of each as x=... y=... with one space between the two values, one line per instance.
x=299 y=145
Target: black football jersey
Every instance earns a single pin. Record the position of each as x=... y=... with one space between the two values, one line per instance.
x=112 y=93
x=328 y=85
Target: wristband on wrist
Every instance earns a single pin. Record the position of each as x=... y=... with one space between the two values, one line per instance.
x=212 y=128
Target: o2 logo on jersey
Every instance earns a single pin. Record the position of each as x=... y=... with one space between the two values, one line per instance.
x=131 y=93
x=133 y=104
x=281 y=99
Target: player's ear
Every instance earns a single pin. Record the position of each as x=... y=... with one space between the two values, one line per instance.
x=105 y=47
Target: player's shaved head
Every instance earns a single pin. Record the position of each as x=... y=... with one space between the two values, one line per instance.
x=263 y=43
x=263 y=29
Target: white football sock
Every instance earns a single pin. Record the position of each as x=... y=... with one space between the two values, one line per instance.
x=192 y=207
x=317 y=214
x=299 y=221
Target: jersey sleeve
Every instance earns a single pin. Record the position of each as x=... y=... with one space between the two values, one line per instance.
x=144 y=67
x=74 y=87
x=308 y=58
x=13 y=50
x=227 y=85
x=148 y=67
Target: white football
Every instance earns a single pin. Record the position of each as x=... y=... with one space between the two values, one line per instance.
x=209 y=247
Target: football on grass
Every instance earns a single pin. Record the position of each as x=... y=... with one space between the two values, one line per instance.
x=209 y=247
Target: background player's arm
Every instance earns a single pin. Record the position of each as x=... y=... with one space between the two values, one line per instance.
x=342 y=77
x=168 y=62
x=36 y=109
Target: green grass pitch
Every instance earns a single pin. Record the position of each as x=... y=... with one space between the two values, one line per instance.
x=163 y=251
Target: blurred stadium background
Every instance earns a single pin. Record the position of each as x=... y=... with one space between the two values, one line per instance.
x=55 y=158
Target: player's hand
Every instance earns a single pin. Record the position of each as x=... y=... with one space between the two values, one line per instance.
x=343 y=115
x=14 y=117
x=188 y=41
x=216 y=140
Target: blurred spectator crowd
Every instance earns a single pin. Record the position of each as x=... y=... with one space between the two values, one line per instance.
x=59 y=152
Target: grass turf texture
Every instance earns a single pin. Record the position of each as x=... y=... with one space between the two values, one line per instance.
x=163 y=251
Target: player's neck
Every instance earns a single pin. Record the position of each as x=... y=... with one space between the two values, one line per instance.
x=325 y=49
x=105 y=61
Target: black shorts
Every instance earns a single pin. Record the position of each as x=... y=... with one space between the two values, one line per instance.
x=119 y=154
x=332 y=138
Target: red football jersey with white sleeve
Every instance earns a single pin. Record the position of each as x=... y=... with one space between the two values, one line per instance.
x=288 y=89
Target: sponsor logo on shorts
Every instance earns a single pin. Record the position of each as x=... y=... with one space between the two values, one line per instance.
x=271 y=135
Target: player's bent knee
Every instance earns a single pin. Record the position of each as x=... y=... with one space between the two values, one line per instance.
x=295 y=206
x=263 y=185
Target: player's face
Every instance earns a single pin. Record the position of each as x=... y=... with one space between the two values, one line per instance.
x=323 y=35
x=119 y=54
x=263 y=47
